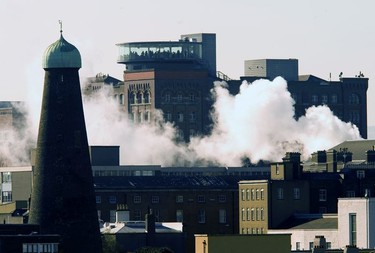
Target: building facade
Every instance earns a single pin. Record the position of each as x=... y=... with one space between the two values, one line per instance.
x=347 y=97
x=205 y=204
x=171 y=77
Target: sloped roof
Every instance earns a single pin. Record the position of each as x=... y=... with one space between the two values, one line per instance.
x=357 y=147
x=171 y=182
x=322 y=222
x=310 y=78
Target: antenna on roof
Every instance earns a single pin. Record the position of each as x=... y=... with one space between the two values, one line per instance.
x=60 y=22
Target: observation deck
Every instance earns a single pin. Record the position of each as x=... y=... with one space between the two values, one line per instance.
x=165 y=51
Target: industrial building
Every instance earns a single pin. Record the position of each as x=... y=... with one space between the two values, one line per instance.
x=347 y=97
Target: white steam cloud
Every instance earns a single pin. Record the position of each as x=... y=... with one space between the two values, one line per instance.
x=16 y=137
x=258 y=123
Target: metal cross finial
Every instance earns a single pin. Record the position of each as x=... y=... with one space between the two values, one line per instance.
x=60 y=22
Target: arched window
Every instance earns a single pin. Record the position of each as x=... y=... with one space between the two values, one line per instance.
x=147 y=97
x=140 y=98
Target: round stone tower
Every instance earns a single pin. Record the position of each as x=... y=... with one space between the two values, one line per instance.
x=63 y=199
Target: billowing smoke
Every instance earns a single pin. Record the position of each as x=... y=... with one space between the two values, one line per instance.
x=258 y=123
x=141 y=143
x=17 y=138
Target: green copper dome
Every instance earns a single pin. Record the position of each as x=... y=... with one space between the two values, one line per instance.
x=61 y=54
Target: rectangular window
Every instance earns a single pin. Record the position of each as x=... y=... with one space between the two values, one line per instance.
x=222 y=216
x=257 y=214
x=201 y=199
x=168 y=116
x=137 y=199
x=98 y=199
x=262 y=194
x=7 y=196
x=322 y=209
x=192 y=117
x=280 y=193
x=296 y=193
x=179 y=97
x=329 y=245
x=298 y=245
x=350 y=194
x=179 y=215
x=112 y=215
x=179 y=199
x=167 y=97
x=360 y=174
x=262 y=213
x=202 y=216
x=222 y=198
x=277 y=169
x=180 y=117
x=6 y=177
x=322 y=195
x=137 y=215
x=353 y=229
x=112 y=199
x=155 y=199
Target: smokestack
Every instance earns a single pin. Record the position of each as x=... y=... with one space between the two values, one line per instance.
x=331 y=160
x=150 y=228
x=63 y=200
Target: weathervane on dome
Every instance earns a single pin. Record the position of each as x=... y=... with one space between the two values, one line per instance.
x=60 y=22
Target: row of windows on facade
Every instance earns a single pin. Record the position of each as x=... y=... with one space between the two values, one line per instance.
x=155 y=199
x=140 y=97
x=122 y=172
x=324 y=99
x=297 y=194
x=180 y=116
x=142 y=117
x=167 y=98
x=40 y=247
x=253 y=231
x=252 y=214
x=256 y=194
x=119 y=98
x=352 y=99
x=201 y=215
x=311 y=245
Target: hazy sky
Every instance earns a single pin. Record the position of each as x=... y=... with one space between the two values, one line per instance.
x=326 y=36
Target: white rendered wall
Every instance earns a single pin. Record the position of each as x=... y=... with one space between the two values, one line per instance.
x=308 y=235
x=364 y=208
